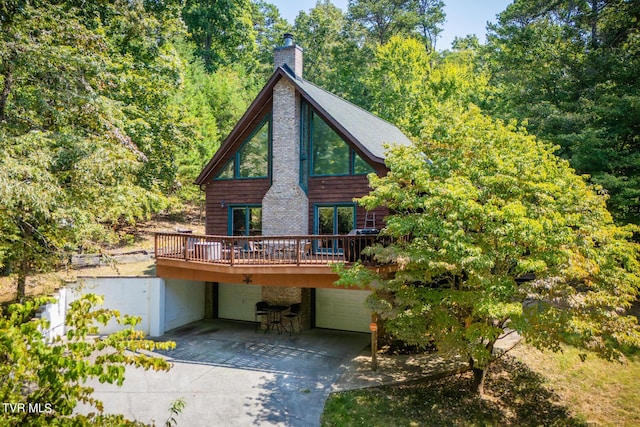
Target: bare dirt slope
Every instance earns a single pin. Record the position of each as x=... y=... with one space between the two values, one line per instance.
x=141 y=242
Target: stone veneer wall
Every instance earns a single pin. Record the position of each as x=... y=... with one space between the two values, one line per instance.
x=285 y=207
x=281 y=295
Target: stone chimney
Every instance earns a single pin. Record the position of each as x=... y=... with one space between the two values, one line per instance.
x=285 y=207
x=290 y=54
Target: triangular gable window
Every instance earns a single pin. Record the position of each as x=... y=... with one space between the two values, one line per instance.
x=227 y=171
x=252 y=158
x=330 y=155
x=360 y=167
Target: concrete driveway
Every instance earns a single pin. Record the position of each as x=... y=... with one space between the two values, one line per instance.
x=230 y=375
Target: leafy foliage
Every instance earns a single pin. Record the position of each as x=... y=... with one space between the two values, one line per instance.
x=569 y=69
x=269 y=27
x=320 y=33
x=477 y=207
x=408 y=18
x=87 y=134
x=407 y=84
x=54 y=374
x=221 y=30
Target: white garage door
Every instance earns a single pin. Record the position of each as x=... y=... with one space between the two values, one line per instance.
x=238 y=302
x=342 y=309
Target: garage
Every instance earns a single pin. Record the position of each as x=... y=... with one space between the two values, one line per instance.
x=342 y=309
x=238 y=301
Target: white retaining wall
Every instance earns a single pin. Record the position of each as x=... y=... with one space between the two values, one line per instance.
x=161 y=305
x=183 y=302
x=135 y=296
x=55 y=313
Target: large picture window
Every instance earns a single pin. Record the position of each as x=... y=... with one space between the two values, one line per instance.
x=323 y=152
x=252 y=158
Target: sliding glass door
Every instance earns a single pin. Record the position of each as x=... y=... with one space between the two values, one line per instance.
x=334 y=219
x=245 y=221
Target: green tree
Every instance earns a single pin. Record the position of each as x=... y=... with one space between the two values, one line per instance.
x=409 y=18
x=215 y=102
x=397 y=82
x=384 y=19
x=320 y=33
x=221 y=30
x=269 y=28
x=54 y=374
x=477 y=207
x=407 y=84
x=430 y=18
x=569 y=70
x=87 y=135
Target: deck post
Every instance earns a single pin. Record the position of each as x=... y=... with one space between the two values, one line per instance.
x=185 y=245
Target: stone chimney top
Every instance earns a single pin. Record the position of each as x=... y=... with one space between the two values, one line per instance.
x=289 y=54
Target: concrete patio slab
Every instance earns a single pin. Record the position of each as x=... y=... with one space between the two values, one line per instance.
x=230 y=375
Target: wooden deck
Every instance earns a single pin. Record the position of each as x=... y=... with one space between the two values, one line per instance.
x=302 y=261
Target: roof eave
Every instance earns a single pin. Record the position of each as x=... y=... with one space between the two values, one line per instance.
x=344 y=133
x=260 y=100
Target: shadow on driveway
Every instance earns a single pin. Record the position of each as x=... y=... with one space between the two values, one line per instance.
x=284 y=380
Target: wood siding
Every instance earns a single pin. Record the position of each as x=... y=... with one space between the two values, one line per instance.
x=341 y=189
x=329 y=189
x=233 y=192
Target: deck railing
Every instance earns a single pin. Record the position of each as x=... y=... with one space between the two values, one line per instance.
x=262 y=250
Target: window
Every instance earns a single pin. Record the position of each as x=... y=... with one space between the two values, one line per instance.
x=252 y=158
x=227 y=171
x=330 y=152
x=245 y=221
x=323 y=152
x=334 y=219
x=360 y=167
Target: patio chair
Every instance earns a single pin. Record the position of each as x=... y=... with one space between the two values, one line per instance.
x=262 y=310
x=305 y=249
x=294 y=313
x=253 y=252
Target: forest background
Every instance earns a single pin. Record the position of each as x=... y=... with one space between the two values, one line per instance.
x=110 y=109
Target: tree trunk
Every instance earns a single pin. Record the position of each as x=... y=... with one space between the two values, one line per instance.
x=23 y=266
x=478 y=380
x=479 y=374
x=594 y=23
x=22 y=279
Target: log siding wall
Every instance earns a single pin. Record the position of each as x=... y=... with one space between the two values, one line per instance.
x=328 y=189
x=341 y=189
x=233 y=192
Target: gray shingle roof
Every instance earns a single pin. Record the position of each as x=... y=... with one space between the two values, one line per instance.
x=361 y=128
x=370 y=131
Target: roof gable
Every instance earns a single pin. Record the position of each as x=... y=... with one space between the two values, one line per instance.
x=367 y=132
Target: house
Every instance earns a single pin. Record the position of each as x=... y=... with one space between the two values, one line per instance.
x=280 y=204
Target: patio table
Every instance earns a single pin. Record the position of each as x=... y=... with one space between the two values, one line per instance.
x=275 y=317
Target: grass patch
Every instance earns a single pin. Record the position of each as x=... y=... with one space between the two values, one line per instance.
x=604 y=393
x=517 y=396
x=525 y=388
